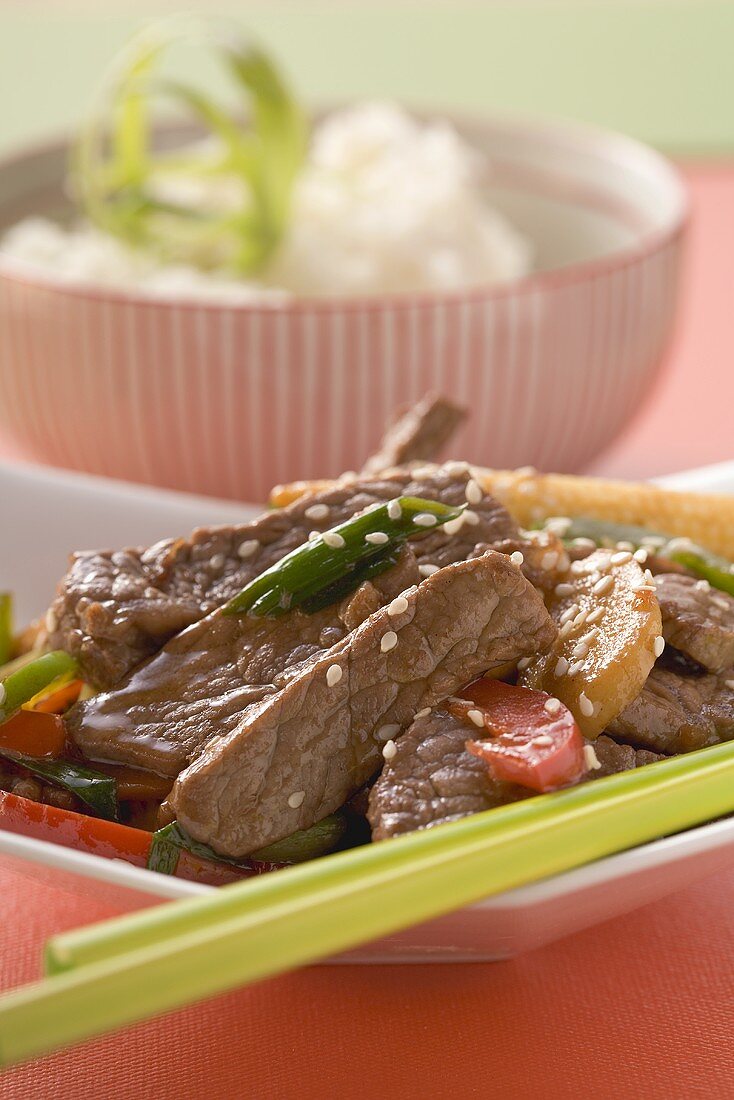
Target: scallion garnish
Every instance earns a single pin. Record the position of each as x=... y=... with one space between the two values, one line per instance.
x=95 y=789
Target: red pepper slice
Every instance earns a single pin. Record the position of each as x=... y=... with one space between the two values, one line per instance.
x=58 y=700
x=538 y=748
x=34 y=733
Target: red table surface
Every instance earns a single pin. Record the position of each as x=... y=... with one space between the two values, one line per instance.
x=642 y=1006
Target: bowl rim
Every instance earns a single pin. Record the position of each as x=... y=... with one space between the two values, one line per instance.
x=537 y=127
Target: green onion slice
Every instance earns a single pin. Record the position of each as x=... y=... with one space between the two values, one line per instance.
x=94 y=789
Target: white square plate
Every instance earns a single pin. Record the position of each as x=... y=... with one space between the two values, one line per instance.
x=47 y=513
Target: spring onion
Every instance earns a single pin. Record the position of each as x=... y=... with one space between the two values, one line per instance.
x=338 y=555
x=93 y=788
x=241 y=178
x=25 y=682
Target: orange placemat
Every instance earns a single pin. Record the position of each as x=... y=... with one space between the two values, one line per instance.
x=639 y=1007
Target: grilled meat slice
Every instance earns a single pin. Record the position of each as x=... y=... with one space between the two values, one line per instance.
x=419 y=434
x=697 y=619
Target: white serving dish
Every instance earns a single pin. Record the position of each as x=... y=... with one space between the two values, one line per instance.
x=47 y=513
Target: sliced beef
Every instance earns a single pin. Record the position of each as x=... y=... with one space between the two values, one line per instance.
x=299 y=754
x=433 y=779
x=115 y=608
x=201 y=682
x=419 y=434
x=677 y=713
x=698 y=620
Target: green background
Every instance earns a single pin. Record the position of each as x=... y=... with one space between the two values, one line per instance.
x=663 y=71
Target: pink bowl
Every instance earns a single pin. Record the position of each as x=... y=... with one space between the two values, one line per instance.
x=229 y=399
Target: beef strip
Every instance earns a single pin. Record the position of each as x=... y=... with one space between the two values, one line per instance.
x=298 y=755
x=697 y=619
x=200 y=684
x=115 y=608
x=433 y=779
x=419 y=434
x=677 y=713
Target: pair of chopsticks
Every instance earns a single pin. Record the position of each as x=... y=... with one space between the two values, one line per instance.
x=131 y=968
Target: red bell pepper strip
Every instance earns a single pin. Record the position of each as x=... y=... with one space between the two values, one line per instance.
x=34 y=733
x=530 y=740
x=57 y=700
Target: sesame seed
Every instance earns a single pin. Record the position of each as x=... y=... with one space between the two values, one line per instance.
x=427 y=569
x=585 y=705
x=426 y=470
x=580 y=650
x=559 y=525
x=642 y=588
x=216 y=561
x=386 y=733
x=377 y=538
x=569 y=614
x=394 y=510
x=455 y=469
x=51 y=620
x=422 y=713
x=602 y=586
x=575 y=668
x=425 y=519
x=317 y=511
x=542 y=740
x=476 y=717
x=649 y=579
x=470 y=517
x=296 y=799
x=334 y=674
x=388 y=641
x=389 y=750
x=578 y=567
x=517 y=557
x=564 y=589
x=473 y=492
x=398 y=606
x=561 y=667
x=563 y=561
x=595 y=615
x=549 y=560
x=565 y=630
x=584 y=544
x=313 y=535
x=581 y=618
x=333 y=539
x=3 y=693
x=729 y=684
x=590 y=637
x=641 y=555
x=624 y=545
x=703 y=586
x=454 y=525
x=590 y=757
x=523 y=663
x=658 y=646
x=621 y=558
x=552 y=706
x=721 y=602
x=248 y=548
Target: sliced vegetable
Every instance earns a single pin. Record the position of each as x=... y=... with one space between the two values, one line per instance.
x=532 y=740
x=168 y=844
x=31 y=678
x=34 y=733
x=609 y=622
x=6 y=627
x=339 y=556
x=136 y=784
x=251 y=158
x=93 y=788
x=717 y=571
x=57 y=697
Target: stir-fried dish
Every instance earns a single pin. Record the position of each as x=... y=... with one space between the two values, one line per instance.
x=399 y=648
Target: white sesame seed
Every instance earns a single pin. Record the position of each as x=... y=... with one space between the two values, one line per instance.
x=621 y=558
x=427 y=569
x=473 y=492
x=642 y=588
x=542 y=740
x=590 y=637
x=333 y=539
x=523 y=663
x=470 y=517
x=602 y=586
x=569 y=614
x=425 y=519
x=455 y=469
x=561 y=667
x=388 y=641
x=564 y=589
x=585 y=705
x=398 y=606
x=581 y=618
x=51 y=620
x=641 y=555
x=559 y=525
x=517 y=557
x=248 y=548
x=575 y=668
x=454 y=525
x=552 y=706
x=729 y=684
x=296 y=799
x=313 y=535
x=595 y=615
x=377 y=538
x=590 y=757
x=658 y=646
x=3 y=693
x=565 y=630
x=623 y=544
x=580 y=650
x=394 y=510
x=476 y=717
x=386 y=733
x=584 y=544
x=334 y=674
x=549 y=560
x=422 y=713
x=649 y=579
x=563 y=561
x=721 y=602
x=426 y=470
x=578 y=567
x=317 y=511
x=216 y=561
x=389 y=750
x=703 y=586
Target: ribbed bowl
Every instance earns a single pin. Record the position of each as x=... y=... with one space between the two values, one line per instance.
x=229 y=399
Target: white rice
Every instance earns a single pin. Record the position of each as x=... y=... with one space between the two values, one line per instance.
x=385 y=203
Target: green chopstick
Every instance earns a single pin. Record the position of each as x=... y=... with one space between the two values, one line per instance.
x=157 y=960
